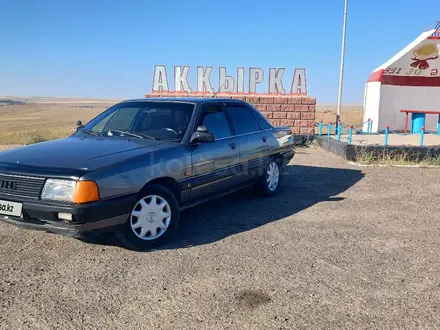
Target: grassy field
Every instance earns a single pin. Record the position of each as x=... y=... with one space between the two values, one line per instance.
x=31 y=123
x=347 y=116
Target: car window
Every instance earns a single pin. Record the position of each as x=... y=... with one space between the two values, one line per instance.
x=121 y=120
x=242 y=119
x=260 y=119
x=215 y=121
x=159 y=120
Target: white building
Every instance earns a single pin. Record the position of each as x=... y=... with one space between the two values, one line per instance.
x=410 y=80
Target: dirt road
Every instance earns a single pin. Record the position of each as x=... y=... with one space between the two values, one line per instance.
x=341 y=247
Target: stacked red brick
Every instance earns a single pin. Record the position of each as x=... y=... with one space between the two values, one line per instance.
x=297 y=112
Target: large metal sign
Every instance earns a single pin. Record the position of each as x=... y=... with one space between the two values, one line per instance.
x=227 y=83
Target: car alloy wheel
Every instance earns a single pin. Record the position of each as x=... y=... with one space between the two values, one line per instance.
x=150 y=217
x=272 y=176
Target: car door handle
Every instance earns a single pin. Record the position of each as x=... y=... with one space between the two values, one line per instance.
x=263 y=138
x=232 y=145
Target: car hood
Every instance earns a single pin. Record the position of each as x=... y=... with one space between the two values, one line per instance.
x=82 y=153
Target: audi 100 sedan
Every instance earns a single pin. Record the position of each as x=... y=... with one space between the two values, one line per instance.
x=134 y=167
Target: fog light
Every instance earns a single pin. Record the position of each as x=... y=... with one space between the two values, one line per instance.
x=65 y=216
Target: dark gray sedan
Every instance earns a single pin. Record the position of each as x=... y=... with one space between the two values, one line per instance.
x=136 y=165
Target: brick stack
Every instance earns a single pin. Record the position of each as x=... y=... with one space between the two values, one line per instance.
x=297 y=112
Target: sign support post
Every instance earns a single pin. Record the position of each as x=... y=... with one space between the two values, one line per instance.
x=341 y=72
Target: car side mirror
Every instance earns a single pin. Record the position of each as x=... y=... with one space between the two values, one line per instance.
x=201 y=135
x=79 y=125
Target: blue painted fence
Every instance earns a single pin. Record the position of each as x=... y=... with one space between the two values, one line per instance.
x=343 y=128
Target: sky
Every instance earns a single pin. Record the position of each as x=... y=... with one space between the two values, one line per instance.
x=108 y=48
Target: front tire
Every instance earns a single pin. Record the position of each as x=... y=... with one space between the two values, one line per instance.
x=153 y=219
x=268 y=184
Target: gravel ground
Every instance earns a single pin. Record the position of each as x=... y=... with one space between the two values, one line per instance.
x=340 y=247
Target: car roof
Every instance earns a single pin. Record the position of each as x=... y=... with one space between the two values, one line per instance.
x=196 y=100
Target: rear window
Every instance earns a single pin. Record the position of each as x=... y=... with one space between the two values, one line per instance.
x=242 y=119
x=260 y=119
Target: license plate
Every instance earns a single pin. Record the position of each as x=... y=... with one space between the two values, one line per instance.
x=10 y=208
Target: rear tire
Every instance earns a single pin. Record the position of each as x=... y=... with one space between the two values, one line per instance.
x=268 y=184
x=153 y=219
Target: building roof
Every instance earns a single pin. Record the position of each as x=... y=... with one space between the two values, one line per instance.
x=407 y=68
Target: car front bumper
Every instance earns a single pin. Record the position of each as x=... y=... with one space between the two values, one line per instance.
x=98 y=216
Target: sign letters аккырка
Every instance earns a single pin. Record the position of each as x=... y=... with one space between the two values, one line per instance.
x=229 y=83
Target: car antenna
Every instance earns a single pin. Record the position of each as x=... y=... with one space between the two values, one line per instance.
x=218 y=90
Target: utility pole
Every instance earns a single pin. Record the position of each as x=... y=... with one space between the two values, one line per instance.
x=341 y=72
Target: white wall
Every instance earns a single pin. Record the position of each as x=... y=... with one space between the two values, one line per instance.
x=371 y=104
x=395 y=98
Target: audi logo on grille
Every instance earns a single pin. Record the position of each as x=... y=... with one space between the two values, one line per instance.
x=10 y=185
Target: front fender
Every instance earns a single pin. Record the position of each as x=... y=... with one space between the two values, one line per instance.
x=131 y=175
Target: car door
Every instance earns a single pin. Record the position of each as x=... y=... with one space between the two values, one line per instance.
x=215 y=163
x=252 y=140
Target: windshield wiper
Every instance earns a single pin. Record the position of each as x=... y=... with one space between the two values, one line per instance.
x=171 y=140
x=138 y=135
x=89 y=132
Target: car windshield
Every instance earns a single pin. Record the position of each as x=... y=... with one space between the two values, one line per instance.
x=154 y=120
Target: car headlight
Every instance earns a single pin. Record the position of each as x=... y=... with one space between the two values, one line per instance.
x=58 y=190
x=77 y=192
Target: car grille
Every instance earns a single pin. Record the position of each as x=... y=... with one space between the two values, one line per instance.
x=21 y=186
